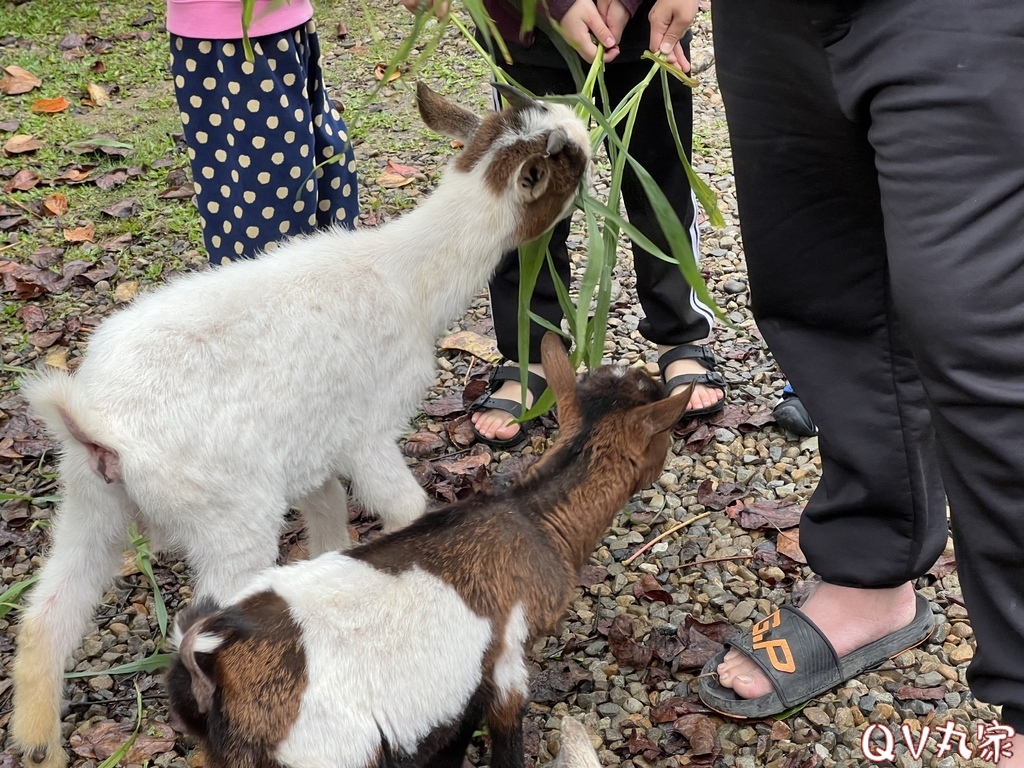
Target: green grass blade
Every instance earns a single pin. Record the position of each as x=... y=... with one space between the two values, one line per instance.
x=704 y=194
x=144 y=562
x=564 y=301
x=23 y=497
x=118 y=756
x=678 y=238
x=152 y=663
x=532 y=257
x=8 y=598
x=660 y=60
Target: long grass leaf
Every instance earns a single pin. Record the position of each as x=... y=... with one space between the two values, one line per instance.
x=532 y=257
x=118 y=756
x=152 y=663
x=8 y=598
x=144 y=562
x=704 y=194
x=678 y=238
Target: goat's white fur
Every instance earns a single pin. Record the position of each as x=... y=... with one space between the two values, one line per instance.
x=420 y=678
x=230 y=394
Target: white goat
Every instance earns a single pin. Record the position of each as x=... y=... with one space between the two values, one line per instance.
x=209 y=406
x=391 y=654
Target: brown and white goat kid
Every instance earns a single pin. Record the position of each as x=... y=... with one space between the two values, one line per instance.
x=392 y=653
x=206 y=408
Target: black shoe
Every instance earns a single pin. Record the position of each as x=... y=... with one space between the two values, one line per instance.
x=791 y=415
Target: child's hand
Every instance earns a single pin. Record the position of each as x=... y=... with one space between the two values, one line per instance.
x=615 y=16
x=439 y=7
x=669 y=21
x=580 y=22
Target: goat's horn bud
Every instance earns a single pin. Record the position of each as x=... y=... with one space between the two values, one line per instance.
x=515 y=98
x=557 y=140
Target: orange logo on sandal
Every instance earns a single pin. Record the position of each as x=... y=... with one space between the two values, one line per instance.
x=778 y=650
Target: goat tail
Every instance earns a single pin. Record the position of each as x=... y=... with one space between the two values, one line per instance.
x=58 y=400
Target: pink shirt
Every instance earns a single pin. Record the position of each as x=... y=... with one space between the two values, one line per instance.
x=222 y=19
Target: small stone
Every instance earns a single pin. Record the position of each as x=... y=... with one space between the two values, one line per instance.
x=101 y=682
x=962 y=653
x=843 y=719
x=734 y=286
x=743 y=611
x=817 y=715
x=961 y=629
x=948 y=672
x=633 y=706
x=92 y=647
x=929 y=680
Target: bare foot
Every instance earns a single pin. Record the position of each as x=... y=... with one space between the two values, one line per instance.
x=850 y=618
x=497 y=424
x=703 y=395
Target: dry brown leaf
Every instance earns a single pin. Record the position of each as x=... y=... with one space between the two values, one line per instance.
x=788 y=544
x=97 y=95
x=45 y=339
x=23 y=180
x=122 y=209
x=380 y=69
x=473 y=343
x=393 y=180
x=46 y=256
x=701 y=732
x=75 y=175
x=57 y=358
x=652 y=589
x=50 y=106
x=54 y=205
x=84 y=234
x=466 y=464
x=18 y=80
x=404 y=170
x=20 y=143
x=625 y=649
x=422 y=444
x=118 y=243
x=126 y=291
x=33 y=316
x=103 y=739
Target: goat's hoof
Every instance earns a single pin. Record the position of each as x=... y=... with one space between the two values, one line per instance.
x=45 y=756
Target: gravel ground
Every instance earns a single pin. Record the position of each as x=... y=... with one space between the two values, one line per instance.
x=646 y=616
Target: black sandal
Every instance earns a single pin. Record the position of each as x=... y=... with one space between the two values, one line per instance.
x=535 y=383
x=801 y=663
x=711 y=378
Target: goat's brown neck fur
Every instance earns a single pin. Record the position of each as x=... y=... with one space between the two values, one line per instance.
x=585 y=484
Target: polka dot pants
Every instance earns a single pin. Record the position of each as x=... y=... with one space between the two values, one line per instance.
x=270 y=154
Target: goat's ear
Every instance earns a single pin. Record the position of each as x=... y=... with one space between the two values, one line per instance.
x=195 y=641
x=515 y=98
x=560 y=375
x=662 y=415
x=534 y=178
x=575 y=750
x=443 y=116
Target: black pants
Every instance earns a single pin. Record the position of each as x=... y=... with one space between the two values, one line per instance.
x=673 y=313
x=879 y=158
